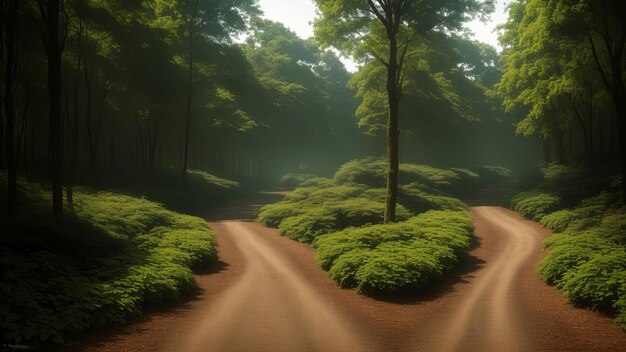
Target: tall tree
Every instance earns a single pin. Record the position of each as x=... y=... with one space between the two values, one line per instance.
x=344 y=23
x=562 y=60
x=51 y=14
x=213 y=21
x=9 y=110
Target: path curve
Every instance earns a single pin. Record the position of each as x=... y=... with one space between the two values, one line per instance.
x=272 y=307
x=267 y=294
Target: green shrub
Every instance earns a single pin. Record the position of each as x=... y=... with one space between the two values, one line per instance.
x=373 y=172
x=599 y=282
x=295 y=180
x=333 y=215
x=559 y=220
x=273 y=214
x=342 y=218
x=101 y=263
x=535 y=204
x=390 y=257
x=587 y=257
x=421 y=198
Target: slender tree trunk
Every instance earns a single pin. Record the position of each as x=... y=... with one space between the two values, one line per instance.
x=392 y=132
x=191 y=30
x=547 y=153
x=2 y=136
x=9 y=110
x=26 y=121
x=50 y=12
x=583 y=127
x=620 y=119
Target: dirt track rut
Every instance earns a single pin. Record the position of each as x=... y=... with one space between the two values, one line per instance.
x=267 y=294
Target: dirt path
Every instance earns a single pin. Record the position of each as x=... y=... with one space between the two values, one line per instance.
x=272 y=307
x=267 y=294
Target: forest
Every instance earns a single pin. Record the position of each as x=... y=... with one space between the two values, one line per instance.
x=198 y=158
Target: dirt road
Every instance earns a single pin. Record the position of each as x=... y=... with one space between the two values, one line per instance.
x=267 y=294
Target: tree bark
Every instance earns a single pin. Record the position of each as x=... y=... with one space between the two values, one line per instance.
x=55 y=148
x=9 y=109
x=392 y=132
x=389 y=15
x=191 y=30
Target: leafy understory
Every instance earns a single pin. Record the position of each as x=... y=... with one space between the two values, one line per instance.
x=342 y=219
x=110 y=256
x=587 y=256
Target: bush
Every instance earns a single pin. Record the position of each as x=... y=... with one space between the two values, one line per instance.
x=342 y=218
x=535 y=204
x=587 y=257
x=295 y=180
x=373 y=172
x=101 y=263
x=329 y=216
x=390 y=257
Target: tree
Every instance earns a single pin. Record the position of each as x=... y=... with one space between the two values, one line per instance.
x=344 y=24
x=209 y=20
x=9 y=111
x=51 y=14
x=562 y=63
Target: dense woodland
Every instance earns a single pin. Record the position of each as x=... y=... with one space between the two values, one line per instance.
x=160 y=84
x=158 y=98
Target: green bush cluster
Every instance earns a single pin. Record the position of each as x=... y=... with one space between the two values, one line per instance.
x=373 y=172
x=342 y=218
x=390 y=257
x=295 y=180
x=587 y=256
x=101 y=263
x=535 y=204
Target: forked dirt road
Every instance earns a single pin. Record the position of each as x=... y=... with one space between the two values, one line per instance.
x=267 y=294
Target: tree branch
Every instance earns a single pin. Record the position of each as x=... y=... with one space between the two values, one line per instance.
x=380 y=17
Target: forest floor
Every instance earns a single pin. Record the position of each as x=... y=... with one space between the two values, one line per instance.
x=266 y=293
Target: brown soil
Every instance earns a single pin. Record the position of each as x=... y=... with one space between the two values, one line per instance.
x=267 y=294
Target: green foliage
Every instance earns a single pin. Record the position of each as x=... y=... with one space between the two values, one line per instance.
x=342 y=218
x=535 y=204
x=295 y=180
x=105 y=260
x=390 y=257
x=420 y=198
x=373 y=172
x=201 y=189
x=587 y=257
x=355 y=198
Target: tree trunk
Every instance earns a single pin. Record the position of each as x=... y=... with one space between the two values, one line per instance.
x=2 y=140
x=547 y=153
x=392 y=132
x=9 y=110
x=620 y=119
x=189 y=93
x=55 y=148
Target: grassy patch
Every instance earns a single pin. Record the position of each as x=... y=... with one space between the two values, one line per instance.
x=587 y=256
x=101 y=263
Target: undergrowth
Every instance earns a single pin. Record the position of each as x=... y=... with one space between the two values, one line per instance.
x=200 y=190
x=586 y=257
x=342 y=218
x=101 y=263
